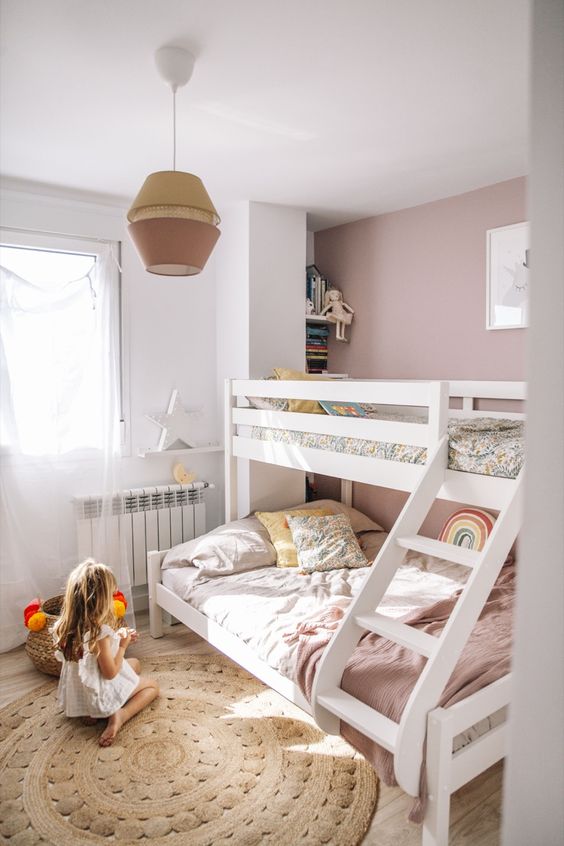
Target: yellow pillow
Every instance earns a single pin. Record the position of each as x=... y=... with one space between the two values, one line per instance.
x=276 y=524
x=305 y=406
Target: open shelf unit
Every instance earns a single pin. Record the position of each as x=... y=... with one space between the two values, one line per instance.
x=146 y=453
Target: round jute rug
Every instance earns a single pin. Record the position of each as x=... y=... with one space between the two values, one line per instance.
x=219 y=759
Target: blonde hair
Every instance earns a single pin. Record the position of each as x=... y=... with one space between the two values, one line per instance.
x=87 y=605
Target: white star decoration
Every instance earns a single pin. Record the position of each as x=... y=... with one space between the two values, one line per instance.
x=176 y=424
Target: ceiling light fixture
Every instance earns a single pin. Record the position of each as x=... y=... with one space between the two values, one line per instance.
x=173 y=222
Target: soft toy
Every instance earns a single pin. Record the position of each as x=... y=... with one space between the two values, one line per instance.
x=338 y=312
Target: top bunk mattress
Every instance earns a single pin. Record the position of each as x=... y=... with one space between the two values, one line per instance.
x=484 y=445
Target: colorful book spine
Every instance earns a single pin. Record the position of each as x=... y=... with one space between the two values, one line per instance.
x=316 y=335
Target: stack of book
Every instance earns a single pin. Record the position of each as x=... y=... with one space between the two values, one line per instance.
x=316 y=347
x=316 y=288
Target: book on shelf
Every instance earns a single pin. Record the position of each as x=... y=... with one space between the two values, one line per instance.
x=317 y=332
x=316 y=288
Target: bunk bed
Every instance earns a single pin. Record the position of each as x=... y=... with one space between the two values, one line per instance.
x=416 y=439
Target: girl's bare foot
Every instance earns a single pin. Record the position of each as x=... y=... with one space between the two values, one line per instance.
x=114 y=724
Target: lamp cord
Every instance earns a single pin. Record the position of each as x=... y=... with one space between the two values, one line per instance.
x=174 y=128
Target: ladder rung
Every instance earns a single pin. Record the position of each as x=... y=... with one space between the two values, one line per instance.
x=448 y=551
x=413 y=638
x=362 y=717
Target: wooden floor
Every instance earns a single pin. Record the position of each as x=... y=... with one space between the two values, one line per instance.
x=475 y=812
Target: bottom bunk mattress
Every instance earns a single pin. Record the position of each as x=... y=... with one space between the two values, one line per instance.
x=287 y=618
x=266 y=607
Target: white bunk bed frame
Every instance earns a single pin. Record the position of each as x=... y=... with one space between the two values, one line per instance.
x=425 y=731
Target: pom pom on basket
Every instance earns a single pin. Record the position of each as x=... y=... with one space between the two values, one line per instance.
x=39 y=644
x=120 y=604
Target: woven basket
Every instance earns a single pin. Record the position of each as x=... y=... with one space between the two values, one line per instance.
x=39 y=645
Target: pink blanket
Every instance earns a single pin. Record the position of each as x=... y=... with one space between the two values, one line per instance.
x=382 y=673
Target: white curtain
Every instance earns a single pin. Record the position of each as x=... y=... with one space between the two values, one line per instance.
x=59 y=427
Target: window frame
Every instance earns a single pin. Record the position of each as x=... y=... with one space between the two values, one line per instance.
x=59 y=242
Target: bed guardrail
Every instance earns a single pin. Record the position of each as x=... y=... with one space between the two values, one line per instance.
x=427 y=400
x=430 y=399
x=473 y=394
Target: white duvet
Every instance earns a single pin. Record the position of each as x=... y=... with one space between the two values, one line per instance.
x=262 y=605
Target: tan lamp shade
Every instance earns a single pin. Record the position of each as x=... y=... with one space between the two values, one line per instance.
x=173 y=224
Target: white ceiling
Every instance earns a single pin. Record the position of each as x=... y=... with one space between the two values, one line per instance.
x=347 y=108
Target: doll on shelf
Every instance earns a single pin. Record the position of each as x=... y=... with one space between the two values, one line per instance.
x=338 y=312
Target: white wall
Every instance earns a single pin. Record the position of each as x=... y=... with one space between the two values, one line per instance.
x=232 y=312
x=534 y=788
x=260 y=311
x=169 y=337
x=277 y=327
x=277 y=288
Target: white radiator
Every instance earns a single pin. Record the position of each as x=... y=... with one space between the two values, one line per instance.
x=141 y=519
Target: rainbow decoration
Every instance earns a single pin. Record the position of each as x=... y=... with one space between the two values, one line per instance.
x=468 y=527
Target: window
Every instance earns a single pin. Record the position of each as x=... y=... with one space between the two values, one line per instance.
x=60 y=353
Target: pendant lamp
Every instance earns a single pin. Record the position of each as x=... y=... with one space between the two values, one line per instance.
x=172 y=221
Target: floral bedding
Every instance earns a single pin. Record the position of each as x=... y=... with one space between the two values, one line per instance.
x=484 y=445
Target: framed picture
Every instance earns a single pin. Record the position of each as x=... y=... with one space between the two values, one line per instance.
x=507 y=277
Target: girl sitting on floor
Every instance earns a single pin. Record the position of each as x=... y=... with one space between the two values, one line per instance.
x=97 y=681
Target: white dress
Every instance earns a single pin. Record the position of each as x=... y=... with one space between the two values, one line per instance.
x=84 y=692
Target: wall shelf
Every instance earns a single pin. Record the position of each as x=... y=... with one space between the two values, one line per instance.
x=316 y=318
x=146 y=453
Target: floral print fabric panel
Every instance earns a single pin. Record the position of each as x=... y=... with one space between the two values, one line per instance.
x=325 y=543
x=486 y=445
x=347 y=446
x=483 y=445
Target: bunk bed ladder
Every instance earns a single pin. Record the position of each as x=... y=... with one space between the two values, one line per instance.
x=331 y=704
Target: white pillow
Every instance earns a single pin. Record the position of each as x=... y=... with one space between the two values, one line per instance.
x=232 y=548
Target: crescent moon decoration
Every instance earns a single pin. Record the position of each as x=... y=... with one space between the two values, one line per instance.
x=182 y=476
x=468 y=527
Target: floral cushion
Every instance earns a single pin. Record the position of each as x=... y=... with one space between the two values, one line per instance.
x=325 y=543
x=280 y=535
x=268 y=403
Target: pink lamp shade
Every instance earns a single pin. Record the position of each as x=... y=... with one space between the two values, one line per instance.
x=173 y=224
x=173 y=246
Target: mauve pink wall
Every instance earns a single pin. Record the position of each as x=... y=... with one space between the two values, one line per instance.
x=417 y=281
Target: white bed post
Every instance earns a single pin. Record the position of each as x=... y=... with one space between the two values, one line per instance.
x=231 y=512
x=346 y=491
x=439 y=757
x=438 y=413
x=154 y=561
